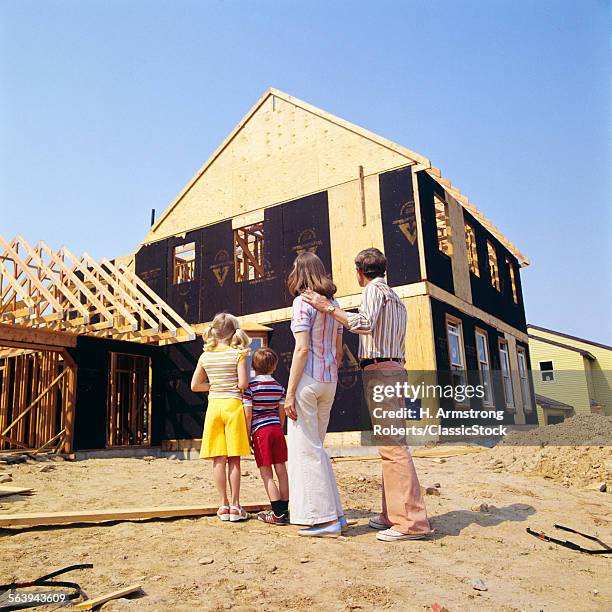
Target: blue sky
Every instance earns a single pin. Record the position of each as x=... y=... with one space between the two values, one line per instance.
x=108 y=107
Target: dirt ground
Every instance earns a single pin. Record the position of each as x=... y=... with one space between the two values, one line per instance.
x=258 y=567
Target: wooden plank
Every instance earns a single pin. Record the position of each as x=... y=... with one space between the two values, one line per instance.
x=364 y=218
x=90 y=604
x=100 y=516
x=19 y=335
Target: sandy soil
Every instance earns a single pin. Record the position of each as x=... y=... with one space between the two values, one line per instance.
x=257 y=567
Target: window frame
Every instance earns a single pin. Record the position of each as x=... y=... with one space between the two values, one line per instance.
x=493 y=266
x=484 y=334
x=524 y=378
x=472 y=249
x=512 y=281
x=187 y=265
x=506 y=373
x=451 y=320
x=125 y=410
x=551 y=371
x=252 y=266
x=448 y=238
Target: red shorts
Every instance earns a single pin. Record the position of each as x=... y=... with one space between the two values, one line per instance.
x=269 y=445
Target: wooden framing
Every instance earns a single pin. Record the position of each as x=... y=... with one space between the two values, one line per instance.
x=443 y=226
x=37 y=398
x=249 y=252
x=43 y=289
x=512 y=281
x=183 y=263
x=493 y=264
x=472 y=250
x=129 y=402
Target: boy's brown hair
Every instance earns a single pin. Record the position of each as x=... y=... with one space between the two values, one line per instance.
x=264 y=360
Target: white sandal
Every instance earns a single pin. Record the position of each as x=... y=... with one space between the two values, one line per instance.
x=224 y=513
x=238 y=513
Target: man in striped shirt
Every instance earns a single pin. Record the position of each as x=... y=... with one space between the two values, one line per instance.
x=381 y=324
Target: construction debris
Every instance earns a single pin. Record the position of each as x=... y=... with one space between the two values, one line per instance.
x=90 y=604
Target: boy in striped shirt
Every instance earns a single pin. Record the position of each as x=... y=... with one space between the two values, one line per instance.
x=265 y=398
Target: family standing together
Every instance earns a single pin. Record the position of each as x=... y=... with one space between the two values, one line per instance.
x=245 y=415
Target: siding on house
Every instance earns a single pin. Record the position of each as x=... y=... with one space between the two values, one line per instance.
x=581 y=370
x=600 y=368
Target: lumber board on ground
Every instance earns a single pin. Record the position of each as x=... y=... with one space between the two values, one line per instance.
x=90 y=604
x=125 y=514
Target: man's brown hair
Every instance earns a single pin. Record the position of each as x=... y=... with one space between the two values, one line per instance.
x=264 y=360
x=309 y=273
x=371 y=263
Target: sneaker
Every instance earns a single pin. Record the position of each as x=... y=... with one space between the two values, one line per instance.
x=390 y=535
x=376 y=523
x=269 y=517
x=224 y=513
x=330 y=531
x=238 y=513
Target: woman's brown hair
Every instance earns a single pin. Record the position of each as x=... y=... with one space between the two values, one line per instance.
x=309 y=273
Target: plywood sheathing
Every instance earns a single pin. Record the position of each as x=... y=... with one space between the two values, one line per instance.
x=459 y=261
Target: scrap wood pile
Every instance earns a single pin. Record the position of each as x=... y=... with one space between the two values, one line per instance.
x=576 y=452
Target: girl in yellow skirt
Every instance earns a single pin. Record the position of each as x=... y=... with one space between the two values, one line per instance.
x=222 y=371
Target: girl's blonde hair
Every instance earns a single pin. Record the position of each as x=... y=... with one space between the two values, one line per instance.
x=225 y=328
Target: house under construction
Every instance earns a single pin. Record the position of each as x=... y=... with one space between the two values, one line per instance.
x=289 y=178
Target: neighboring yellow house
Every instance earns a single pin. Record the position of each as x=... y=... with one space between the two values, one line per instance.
x=571 y=375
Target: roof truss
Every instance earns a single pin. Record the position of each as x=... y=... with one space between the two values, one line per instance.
x=57 y=290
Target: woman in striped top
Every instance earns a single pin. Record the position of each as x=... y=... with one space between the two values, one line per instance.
x=313 y=492
x=222 y=371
